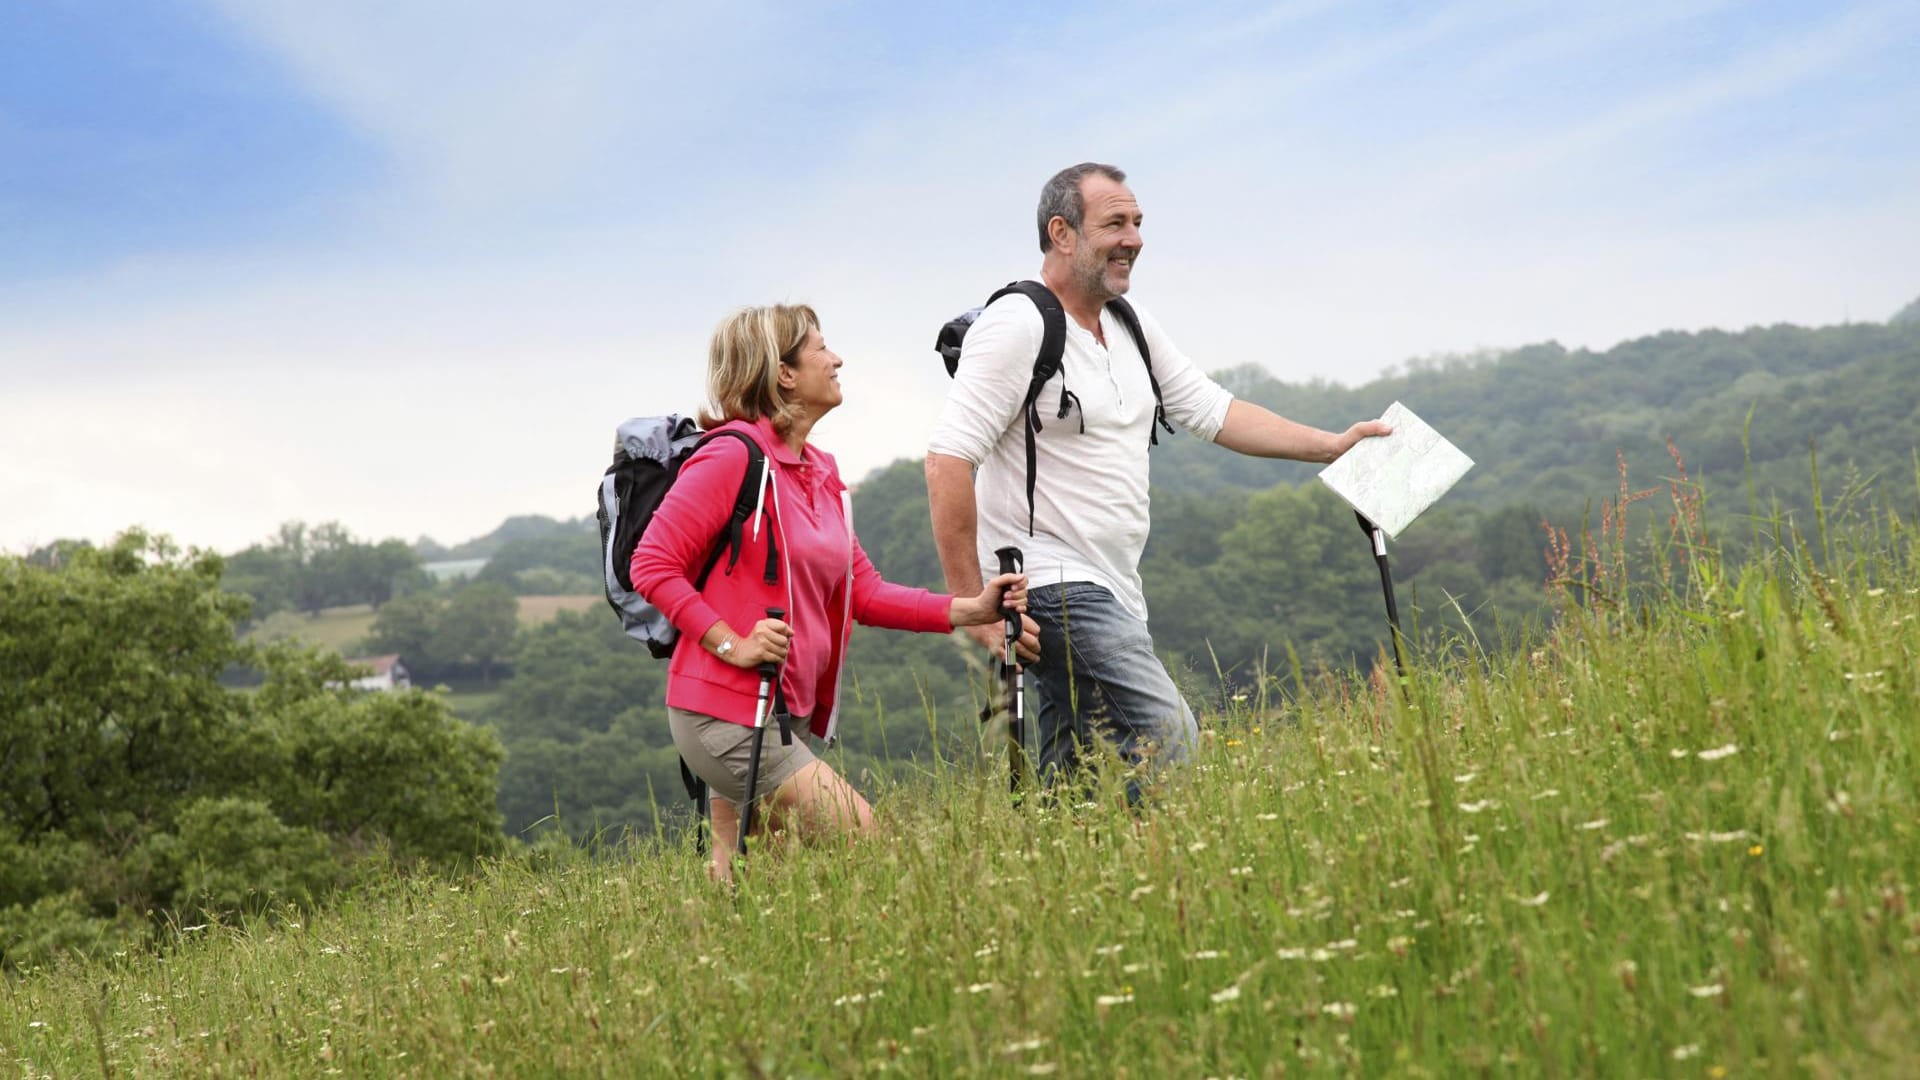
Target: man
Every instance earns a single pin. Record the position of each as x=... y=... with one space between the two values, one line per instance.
x=1086 y=637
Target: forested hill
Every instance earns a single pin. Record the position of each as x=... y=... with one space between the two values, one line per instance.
x=1543 y=423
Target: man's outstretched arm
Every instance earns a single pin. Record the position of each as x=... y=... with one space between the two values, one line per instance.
x=1250 y=429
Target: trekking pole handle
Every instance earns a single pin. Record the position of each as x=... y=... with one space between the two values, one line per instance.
x=1011 y=562
x=767 y=667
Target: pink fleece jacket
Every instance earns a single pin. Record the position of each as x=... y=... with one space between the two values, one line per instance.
x=682 y=534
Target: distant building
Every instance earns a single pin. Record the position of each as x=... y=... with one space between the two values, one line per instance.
x=388 y=673
x=453 y=569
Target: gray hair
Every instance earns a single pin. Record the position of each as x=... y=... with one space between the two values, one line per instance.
x=1061 y=196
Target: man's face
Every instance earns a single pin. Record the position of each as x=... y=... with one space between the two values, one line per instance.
x=1109 y=238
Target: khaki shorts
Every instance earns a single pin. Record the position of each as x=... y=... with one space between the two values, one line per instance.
x=721 y=751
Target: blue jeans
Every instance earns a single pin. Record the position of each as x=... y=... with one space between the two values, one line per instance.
x=1098 y=675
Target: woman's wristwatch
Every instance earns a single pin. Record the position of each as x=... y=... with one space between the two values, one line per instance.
x=723 y=648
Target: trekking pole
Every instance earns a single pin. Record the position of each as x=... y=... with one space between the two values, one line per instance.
x=769 y=674
x=1386 y=585
x=1013 y=562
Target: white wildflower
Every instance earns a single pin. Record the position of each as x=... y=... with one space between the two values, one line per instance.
x=1267 y=817
x=1023 y=1046
x=1682 y=1053
x=1139 y=892
x=1231 y=993
x=1547 y=794
x=1676 y=753
x=1465 y=778
x=1476 y=807
x=981 y=988
x=1589 y=826
x=1720 y=837
x=1206 y=954
x=1707 y=991
x=1384 y=991
x=1339 y=1010
x=1108 y=950
x=1287 y=953
x=1718 y=752
x=1113 y=999
x=1534 y=901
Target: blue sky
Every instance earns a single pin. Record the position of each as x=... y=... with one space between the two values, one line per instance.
x=294 y=259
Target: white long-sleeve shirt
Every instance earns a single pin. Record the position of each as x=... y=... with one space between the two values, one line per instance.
x=1090 y=502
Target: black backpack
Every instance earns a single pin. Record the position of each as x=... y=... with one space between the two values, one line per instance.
x=1053 y=346
x=647 y=454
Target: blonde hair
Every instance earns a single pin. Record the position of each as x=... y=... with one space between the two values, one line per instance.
x=743 y=364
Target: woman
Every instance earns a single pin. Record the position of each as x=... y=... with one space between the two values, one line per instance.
x=772 y=377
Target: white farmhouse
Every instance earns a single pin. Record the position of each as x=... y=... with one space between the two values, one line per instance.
x=388 y=673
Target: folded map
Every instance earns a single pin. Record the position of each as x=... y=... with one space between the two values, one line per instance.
x=1393 y=478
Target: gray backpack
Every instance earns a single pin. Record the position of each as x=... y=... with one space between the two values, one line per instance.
x=647 y=454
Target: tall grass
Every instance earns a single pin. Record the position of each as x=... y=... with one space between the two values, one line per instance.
x=1678 y=839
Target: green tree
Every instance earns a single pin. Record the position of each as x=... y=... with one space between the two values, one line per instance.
x=1512 y=542
x=410 y=626
x=132 y=782
x=564 y=561
x=478 y=625
x=575 y=673
x=584 y=723
x=1296 y=569
x=109 y=686
x=393 y=768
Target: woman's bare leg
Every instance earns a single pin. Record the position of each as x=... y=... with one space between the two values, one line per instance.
x=821 y=802
x=725 y=820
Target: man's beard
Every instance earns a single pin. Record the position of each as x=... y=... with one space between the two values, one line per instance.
x=1092 y=278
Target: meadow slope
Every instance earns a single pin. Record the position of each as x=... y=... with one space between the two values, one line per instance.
x=1680 y=839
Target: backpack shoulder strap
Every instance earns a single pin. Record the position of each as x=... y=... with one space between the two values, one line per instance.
x=1131 y=320
x=744 y=502
x=1053 y=348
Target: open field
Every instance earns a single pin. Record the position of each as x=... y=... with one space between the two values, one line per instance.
x=535 y=610
x=341 y=628
x=1679 y=839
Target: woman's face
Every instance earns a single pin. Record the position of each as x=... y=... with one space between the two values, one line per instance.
x=813 y=378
